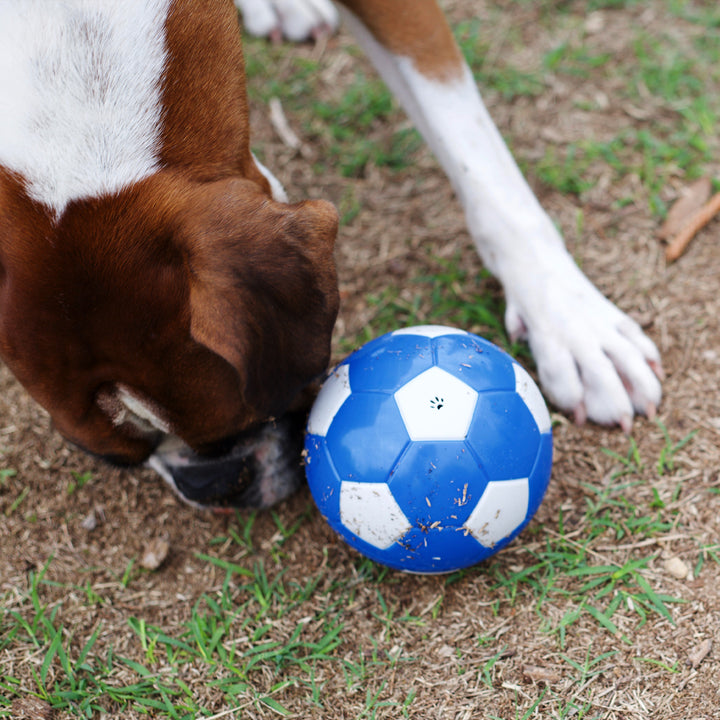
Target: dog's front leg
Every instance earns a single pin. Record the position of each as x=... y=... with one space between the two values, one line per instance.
x=593 y=360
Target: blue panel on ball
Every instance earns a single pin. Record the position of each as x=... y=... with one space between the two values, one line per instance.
x=437 y=483
x=540 y=476
x=322 y=479
x=387 y=363
x=482 y=365
x=366 y=437
x=504 y=436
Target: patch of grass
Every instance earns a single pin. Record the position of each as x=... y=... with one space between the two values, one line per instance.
x=450 y=295
x=577 y=61
x=654 y=156
x=68 y=673
x=78 y=481
x=562 y=567
x=275 y=71
x=612 y=4
x=5 y=475
x=257 y=625
x=705 y=14
x=364 y=106
x=666 y=461
x=566 y=170
x=706 y=552
x=17 y=502
x=589 y=576
x=666 y=73
x=502 y=77
x=678 y=137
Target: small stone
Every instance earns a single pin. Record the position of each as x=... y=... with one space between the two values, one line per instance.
x=93 y=518
x=155 y=554
x=89 y=523
x=595 y=22
x=677 y=568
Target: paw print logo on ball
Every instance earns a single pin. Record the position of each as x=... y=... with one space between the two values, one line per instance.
x=422 y=420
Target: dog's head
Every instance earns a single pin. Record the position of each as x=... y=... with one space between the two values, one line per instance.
x=191 y=309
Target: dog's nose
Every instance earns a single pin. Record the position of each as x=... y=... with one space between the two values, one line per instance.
x=225 y=481
x=263 y=467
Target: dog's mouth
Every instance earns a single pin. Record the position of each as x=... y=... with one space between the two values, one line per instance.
x=263 y=467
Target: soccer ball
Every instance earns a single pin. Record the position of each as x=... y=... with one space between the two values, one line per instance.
x=428 y=449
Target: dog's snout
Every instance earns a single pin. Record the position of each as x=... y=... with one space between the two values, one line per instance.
x=262 y=467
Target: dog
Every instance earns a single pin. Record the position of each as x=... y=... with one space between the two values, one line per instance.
x=161 y=298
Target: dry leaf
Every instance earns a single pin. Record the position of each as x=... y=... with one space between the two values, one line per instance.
x=699 y=653
x=156 y=551
x=540 y=674
x=690 y=201
x=696 y=222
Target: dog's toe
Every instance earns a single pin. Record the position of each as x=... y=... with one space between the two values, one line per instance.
x=608 y=380
x=295 y=20
x=593 y=361
x=259 y=18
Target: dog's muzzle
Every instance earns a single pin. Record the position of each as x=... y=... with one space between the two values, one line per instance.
x=263 y=467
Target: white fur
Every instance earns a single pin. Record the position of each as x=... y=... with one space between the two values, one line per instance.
x=138 y=411
x=80 y=103
x=583 y=345
x=294 y=19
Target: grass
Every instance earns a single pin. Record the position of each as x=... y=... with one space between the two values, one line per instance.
x=231 y=634
x=364 y=105
x=260 y=635
x=603 y=585
x=447 y=296
x=503 y=77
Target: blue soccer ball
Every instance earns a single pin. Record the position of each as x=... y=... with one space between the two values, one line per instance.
x=428 y=449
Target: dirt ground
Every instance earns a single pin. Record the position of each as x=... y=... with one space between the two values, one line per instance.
x=406 y=223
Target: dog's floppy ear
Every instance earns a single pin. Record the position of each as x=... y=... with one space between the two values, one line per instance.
x=263 y=288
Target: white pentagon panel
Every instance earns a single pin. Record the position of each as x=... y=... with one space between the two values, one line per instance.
x=526 y=388
x=371 y=512
x=500 y=510
x=334 y=392
x=435 y=405
x=429 y=331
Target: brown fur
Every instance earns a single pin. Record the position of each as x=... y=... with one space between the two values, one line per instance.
x=413 y=28
x=205 y=118
x=193 y=288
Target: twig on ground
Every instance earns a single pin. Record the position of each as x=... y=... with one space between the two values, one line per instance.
x=703 y=216
x=690 y=200
x=282 y=127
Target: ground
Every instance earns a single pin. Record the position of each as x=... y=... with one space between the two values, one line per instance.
x=605 y=607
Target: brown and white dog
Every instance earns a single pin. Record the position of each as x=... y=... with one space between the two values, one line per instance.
x=159 y=296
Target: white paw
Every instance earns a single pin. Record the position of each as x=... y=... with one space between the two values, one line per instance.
x=593 y=360
x=295 y=20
